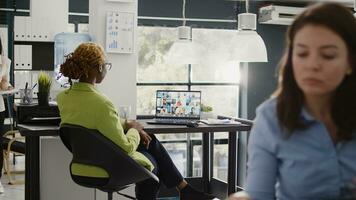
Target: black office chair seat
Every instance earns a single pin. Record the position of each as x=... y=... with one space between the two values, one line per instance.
x=90 y=147
x=99 y=183
x=16 y=146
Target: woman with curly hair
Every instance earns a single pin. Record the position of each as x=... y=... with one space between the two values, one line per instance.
x=82 y=104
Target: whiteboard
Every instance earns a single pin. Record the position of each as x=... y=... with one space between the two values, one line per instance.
x=4 y=39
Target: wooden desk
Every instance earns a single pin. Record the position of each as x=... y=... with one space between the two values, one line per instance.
x=207 y=145
x=33 y=133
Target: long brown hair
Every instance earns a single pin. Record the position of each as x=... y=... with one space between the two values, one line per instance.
x=290 y=98
x=85 y=57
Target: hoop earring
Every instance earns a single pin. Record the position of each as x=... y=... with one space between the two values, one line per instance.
x=100 y=68
x=349 y=71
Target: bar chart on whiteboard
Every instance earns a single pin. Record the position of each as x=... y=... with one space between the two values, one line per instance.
x=119 y=32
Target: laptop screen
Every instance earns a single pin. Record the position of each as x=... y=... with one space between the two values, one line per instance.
x=178 y=104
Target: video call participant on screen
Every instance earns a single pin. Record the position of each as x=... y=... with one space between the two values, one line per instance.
x=82 y=104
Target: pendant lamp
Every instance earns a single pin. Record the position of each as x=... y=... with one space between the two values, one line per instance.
x=184 y=50
x=248 y=44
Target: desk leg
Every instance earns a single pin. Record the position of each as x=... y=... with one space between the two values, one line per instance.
x=206 y=169
x=232 y=163
x=32 y=171
x=190 y=150
x=211 y=154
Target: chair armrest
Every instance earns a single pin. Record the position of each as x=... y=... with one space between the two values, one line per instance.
x=11 y=132
x=10 y=144
x=14 y=144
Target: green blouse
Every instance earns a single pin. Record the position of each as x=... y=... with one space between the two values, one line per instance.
x=84 y=105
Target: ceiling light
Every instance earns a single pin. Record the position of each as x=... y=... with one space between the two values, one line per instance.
x=248 y=44
x=184 y=50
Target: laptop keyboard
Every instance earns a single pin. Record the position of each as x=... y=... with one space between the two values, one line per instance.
x=173 y=121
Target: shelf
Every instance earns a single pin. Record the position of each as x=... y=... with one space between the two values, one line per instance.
x=33 y=42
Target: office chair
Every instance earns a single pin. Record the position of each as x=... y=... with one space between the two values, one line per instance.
x=13 y=144
x=90 y=147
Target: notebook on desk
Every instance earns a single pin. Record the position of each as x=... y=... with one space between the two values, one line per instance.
x=176 y=107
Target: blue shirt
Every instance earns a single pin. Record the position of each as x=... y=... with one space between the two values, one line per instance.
x=307 y=165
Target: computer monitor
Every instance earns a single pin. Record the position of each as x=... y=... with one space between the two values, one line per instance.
x=178 y=104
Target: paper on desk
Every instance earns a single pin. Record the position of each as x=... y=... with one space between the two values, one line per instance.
x=212 y=121
x=12 y=91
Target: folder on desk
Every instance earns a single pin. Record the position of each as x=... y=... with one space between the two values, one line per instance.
x=20 y=28
x=17 y=57
x=219 y=122
x=28 y=23
x=28 y=57
x=23 y=56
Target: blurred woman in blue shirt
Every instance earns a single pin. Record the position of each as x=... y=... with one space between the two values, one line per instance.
x=303 y=142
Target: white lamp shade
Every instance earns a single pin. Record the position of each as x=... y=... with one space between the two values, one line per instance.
x=184 y=50
x=248 y=46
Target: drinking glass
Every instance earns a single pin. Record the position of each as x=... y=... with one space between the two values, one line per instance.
x=26 y=96
x=125 y=112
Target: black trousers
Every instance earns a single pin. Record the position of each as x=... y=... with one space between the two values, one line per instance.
x=2 y=118
x=165 y=170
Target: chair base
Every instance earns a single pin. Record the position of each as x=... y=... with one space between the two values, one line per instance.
x=10 y=172
x=127 y=196
x=11 y=143
x=110 y=195
x=19 y=182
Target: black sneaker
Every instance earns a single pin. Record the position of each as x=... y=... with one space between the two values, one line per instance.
x=189 y=193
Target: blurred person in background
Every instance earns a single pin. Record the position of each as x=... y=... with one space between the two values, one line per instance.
x=4 y=85
x=303 y=141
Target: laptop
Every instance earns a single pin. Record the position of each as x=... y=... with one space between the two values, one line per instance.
x=177 y=107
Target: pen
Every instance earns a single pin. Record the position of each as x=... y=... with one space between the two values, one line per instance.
x=26 y=87
x=34 y=86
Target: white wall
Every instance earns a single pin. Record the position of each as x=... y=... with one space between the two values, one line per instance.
x=120 y=82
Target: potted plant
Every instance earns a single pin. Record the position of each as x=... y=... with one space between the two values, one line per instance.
x=206 y=111
x=44 y=86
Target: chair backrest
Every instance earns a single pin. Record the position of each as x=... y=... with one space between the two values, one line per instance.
x=90 y=147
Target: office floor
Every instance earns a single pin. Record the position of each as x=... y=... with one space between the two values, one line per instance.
x=17 y=192
x=14 y=192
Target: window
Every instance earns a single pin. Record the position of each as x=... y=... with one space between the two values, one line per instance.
x=154 y=43
x=213 y=76
x=215 y=67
